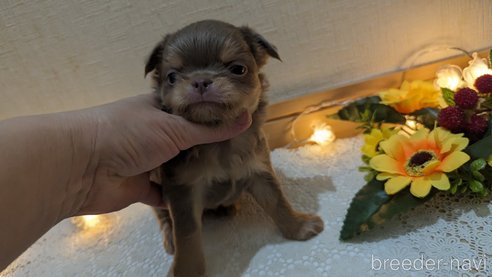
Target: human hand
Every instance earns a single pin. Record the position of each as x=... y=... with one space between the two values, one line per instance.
x=129 y=138
x=89 y=161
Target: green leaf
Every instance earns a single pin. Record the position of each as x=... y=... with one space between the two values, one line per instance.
x=490 y=58
x=489 y=128
x=370 y=176
x=481 y=149
x=383 y=113
x=478 y=164
x=426 y=117
x=349 y=113
x=475 y=186
x=366 y=159
x=477 y=175
x=453 y=189
x=475 y=168
x=455 y=184
x=369 y=110
x=448 y=96
x=487 y=103
x=366 y=202
x=371 y=206
x=487 y=173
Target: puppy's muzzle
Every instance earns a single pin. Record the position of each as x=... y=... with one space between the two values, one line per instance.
x=201 y=86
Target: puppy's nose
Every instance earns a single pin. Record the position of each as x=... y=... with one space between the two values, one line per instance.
x=201 y=85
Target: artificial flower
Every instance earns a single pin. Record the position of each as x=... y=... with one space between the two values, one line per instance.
x=372 y=140
x=449 y=76
x=452 y=119
x=412 y=96
x=476 y=68
x=484 y=84
x=476 y=127
x=421 y=160
x=466 y=98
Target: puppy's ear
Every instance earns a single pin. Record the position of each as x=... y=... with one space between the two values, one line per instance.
x=260 y=47
x=155 y=57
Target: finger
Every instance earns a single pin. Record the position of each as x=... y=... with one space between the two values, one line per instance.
x=152 y=99
x=194 y=134
x=154 y=196
x=148 y=99
x=139 y=189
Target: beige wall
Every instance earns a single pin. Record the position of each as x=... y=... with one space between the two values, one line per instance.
x=58 y=54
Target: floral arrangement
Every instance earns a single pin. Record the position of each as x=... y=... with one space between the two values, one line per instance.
x=422 y=138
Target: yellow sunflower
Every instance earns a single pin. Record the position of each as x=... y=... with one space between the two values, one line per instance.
x=412 y=96
x=420 y=161
x=372 y=140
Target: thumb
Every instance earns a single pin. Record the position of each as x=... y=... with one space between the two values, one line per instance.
x=200 y=134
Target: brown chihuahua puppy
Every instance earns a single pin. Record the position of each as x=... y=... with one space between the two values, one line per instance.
x=208 y=73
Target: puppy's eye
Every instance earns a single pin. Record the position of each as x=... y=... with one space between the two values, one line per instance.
x=238 y=69
x=172 y=76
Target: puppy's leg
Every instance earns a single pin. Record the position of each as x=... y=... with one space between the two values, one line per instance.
x=266 y=190
x=223 y=210
x=166 y=225
x=186 y=210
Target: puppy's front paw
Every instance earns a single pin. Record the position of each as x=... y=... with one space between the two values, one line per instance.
x=306 y=227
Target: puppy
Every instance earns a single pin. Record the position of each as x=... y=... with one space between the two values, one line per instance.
x=208 y=73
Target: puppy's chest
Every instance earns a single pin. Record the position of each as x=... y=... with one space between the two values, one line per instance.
x=209 y=166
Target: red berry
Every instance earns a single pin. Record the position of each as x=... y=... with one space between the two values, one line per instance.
x=476 y=128
x=452 y=118
x=484 y=83
x=466 y=98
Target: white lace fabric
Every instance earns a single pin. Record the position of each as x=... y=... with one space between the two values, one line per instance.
x=454 y=231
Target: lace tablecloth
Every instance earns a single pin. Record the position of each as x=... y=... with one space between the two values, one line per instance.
x=457 y=235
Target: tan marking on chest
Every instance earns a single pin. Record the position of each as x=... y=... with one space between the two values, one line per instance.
x=205 y=171
x=207 y=164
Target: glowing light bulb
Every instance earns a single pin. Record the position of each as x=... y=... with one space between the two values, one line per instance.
x=87 y=221
x=411 y=126
x=450 y=77
x=322 y=134
x=411 y=123
x=477 y=67
x=91 y=220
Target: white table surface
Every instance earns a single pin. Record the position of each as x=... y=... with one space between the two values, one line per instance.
x=317 y=179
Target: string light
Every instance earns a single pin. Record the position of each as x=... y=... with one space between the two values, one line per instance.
x=295 y=142
x=476 y=68
x=322 y=134
x=93 y=230
x=86 y=222
x=411 y=125
x=449 y=76
x=412 y=59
